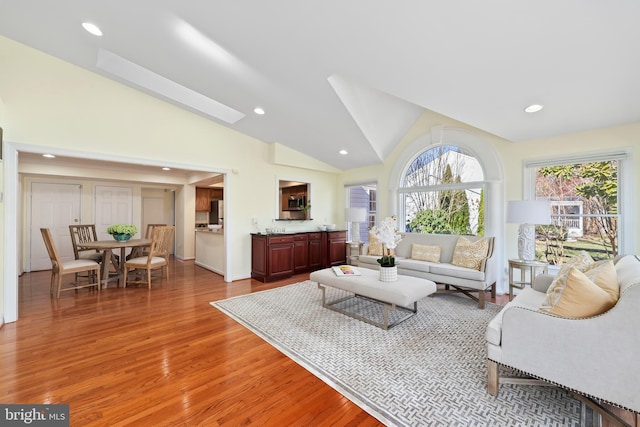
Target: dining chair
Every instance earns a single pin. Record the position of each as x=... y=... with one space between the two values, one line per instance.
x=158 y=256
x=59 y=268
x=84 y=233
x=148 y=235
x=144 y=250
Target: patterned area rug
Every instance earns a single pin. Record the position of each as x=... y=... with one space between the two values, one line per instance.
x=429 y=370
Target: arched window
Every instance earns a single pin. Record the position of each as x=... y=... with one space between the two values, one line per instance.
x=442 y=192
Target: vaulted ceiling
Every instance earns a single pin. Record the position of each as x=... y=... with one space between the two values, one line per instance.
x=354 y=75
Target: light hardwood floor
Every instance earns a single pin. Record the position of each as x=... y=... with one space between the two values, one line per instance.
x=164 y=357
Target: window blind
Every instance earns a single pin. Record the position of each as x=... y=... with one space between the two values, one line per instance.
x=577 y=159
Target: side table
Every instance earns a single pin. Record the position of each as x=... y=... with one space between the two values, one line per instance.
x=353 y=251
x=533 y=267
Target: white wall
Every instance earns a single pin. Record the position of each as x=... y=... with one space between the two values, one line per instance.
x=47 y=103
x=598 y=140
x=50 y=104
x=87 y=205
x=508 y=184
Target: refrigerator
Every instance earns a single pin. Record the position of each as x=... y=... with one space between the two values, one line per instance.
x=216 y=213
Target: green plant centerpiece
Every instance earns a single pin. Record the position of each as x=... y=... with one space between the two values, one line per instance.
x=387 y=233
x=122 y=231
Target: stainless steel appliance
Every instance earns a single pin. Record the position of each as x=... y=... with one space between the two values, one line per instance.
x=297 y=202
x=216 y=212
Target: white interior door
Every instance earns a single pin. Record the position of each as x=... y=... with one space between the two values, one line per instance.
x=152 y=212
x=53 y=206
x=114 y=205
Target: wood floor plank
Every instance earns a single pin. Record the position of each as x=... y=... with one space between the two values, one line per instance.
x=163 y=357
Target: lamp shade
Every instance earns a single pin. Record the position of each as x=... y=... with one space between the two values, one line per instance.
x=529 y=212
x=355 y=214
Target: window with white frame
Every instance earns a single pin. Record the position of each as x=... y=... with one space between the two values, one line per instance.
x=442 y=192
x=586 y=205
x=362 y=196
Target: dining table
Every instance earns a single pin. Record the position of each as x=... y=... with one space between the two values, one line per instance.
x=107 y=247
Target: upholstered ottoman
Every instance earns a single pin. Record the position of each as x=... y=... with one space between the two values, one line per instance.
x=401 y=294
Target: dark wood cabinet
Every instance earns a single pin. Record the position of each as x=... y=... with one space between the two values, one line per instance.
x=271 y=257
x=336 y=248
x=276 y=256
x=280 y=258
x=204 y=196
x=203 y=200
x=259 y=257
x=315 y=251
x=216 y=194
x=300 y=253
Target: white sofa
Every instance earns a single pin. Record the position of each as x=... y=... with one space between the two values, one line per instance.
x=594 y=356
x=462 y=279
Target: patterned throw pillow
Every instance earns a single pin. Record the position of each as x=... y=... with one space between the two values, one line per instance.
x=425 y=252
x=582 y=261
x=470 y=254
x=377 y=248
x=603 y=274
x=581 y=297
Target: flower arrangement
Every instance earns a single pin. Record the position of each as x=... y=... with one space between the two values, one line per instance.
x=387 y=233
x=122 y=229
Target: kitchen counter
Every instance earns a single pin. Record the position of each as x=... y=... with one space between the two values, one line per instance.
x=291 y=232
x=206 y=230
x=210 y=249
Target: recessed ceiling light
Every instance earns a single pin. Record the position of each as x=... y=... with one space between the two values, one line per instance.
x=533 y=108
x=258 y=111
x=344 y=152
x=166 y=169
x=92 y=28
x=49 y=156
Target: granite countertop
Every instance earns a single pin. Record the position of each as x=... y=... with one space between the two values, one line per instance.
x=206 y=230
x=291 y=232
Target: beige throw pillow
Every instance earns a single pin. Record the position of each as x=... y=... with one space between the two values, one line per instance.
x=581 y=297
x=425 y=252
x=378 y=248
x=582 y=261
x=375 y=249
x=603 y=274
x=470 y=254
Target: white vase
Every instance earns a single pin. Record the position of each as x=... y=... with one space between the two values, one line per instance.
x=389 y=274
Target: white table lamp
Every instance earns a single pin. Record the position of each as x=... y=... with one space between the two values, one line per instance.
x=355 y=216
x=528 y=213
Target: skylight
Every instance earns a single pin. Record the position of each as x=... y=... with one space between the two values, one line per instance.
x=140 y=76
